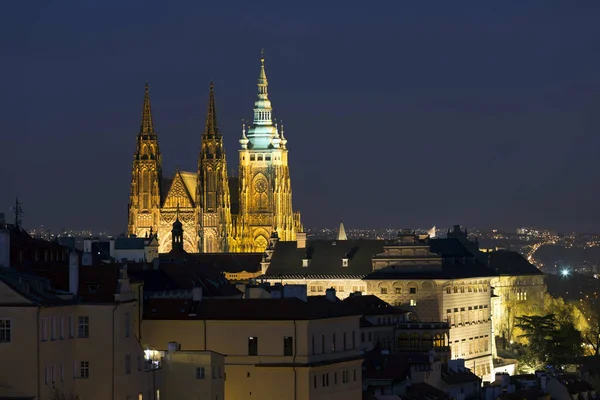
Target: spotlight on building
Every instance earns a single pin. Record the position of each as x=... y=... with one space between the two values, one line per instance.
x=565 y=272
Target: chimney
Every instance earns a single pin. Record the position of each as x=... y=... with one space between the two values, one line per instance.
x=330 y=294
x=301 y=240
x=197 y=293
x=111 y=246
x=73 y=273
x=298 y=291
x=172 y=347
x=4 y=243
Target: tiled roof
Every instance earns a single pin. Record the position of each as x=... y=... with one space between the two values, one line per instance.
x=451 y=377
x=423 y=391
x=326 y=261
x=175 y=276
x=371 y=305
x=310 y=276
x=244 y=309
x=325 y=257
x=97 y=284
x=449 y=247
x=450 y=270
x=35 y=289
x=511 y=263
x=224 y=262
x=393 y=367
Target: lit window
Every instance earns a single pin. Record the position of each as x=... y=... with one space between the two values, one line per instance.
x=305 y=262
x=413 y=303
x=5 y=331
x=344 y=262
x=252 y=346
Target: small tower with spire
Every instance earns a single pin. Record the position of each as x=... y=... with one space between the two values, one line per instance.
x=177 y=234
x=146 y=179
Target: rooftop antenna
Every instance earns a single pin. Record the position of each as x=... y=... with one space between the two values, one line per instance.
x=18 y=210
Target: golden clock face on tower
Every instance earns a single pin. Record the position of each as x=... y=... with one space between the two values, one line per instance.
x=260 y=186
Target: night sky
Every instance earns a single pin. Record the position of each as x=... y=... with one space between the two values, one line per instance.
x=406 y=114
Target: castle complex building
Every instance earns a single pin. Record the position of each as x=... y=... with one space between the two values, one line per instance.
x=445 y=279
x=218 y=213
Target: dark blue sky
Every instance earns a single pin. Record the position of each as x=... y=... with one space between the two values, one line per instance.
x=409 y=113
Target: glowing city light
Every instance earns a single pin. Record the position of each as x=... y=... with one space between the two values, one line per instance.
x=565 y=272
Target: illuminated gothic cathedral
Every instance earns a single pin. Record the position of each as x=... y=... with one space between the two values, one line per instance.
x=218 y=213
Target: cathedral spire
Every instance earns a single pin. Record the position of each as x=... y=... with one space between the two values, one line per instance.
x=212 y=129
x=147 y=126
x=263 y=131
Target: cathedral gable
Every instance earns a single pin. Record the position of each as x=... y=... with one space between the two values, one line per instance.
x=179 y=193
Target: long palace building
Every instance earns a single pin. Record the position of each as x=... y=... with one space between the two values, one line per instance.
x=218 y=213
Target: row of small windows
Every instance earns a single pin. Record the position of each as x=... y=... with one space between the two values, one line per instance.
x=345 y=378
x=259 y=157
x=473 y=345
x=262 y=115
x=338 y=288
x=397 y=290
x=424 y=341
x=53 y=328
x=81 y=370
x=348 y=343
x=288 y=346
x=468 y=316
x=478 y=288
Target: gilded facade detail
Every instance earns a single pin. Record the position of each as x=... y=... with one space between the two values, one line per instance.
x=214 y=220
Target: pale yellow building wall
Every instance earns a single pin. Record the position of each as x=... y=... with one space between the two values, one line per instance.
x=18 y=369
x=247 y=379
x=180 y=379
x=36 y=350
x=432 y=301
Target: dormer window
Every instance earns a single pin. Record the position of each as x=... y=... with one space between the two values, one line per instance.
x=344 y=262
x=305 y=262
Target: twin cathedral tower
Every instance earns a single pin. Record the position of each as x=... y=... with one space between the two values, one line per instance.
x=218 y=213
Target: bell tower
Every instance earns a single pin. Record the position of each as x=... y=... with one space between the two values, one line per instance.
x=265 y=185
x=144 y=196
x=212 y=197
